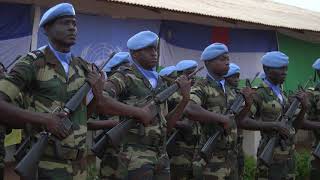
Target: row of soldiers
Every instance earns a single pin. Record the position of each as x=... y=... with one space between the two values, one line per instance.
x=48 y=77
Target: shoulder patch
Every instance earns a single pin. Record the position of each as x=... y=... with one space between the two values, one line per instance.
x=36 y=54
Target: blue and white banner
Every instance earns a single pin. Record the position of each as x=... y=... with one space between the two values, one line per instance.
x=98 y=36
x=187 y=41
x=15 y=32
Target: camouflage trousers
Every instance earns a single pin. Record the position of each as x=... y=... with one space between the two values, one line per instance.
x=181 y=164
x=221 y=166
x=315 y=168
x=240 y=158
x=279 y=170
x=142 y=163
x=113 y=166
x=63 y=170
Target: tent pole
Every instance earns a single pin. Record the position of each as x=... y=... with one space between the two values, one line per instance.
x=35 y=27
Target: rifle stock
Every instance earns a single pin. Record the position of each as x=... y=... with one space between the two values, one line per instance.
x=28 y=165
x=22 y=150
x=266 y=155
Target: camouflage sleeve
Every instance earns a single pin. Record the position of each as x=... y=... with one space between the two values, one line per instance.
x=119 y=84
x=198 y=94
x=254 y=110
x=20 y=77
x=313 y=111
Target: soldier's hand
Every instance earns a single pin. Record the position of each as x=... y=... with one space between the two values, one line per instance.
x=303 y=98
x=248 y=93
x=147 y=114
x=185 y=86
x=96 y=80
x=229 y=122
x=54 y=124
x=283 y=129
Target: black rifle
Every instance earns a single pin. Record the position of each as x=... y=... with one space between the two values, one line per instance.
x=266 y=156
x=27 y=166
x=235 y=108
x=117 y=133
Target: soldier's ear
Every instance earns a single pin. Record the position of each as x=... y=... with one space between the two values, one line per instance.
x=46 y=30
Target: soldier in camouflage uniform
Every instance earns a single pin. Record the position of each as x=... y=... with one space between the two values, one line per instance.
x=143 y=155
x=210 y=99
x=232 y=79
x=182 y=150
x=110 y=162
x=312 y=122
x=51 y=75
x=268 y=103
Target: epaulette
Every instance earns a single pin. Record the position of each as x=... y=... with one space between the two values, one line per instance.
x=35 y=54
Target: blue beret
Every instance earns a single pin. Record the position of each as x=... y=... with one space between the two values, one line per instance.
x=167 y=71
x=142 y=40
x=213 y=51
x=117 y=59
x=186 y=64
x=63 y=9
x=275 y=59
x=233 y=69
x=316 y=64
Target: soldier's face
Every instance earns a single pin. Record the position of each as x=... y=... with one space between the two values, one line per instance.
x=219 y=65
x=147 y=57
x=277 y=75
x=63 y=31
x=233 y=80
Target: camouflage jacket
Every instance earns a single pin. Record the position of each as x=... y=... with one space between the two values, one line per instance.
x=42 y=76
x=313 y=112
x=188 y=138
x=131 y=87
x=267 y=107
x=208 y=94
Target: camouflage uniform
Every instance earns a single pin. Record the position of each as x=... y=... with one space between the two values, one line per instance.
x=211 y=97
x=240 y=156
x=185 y=146
x=314 y=115
x=110 y=164
x=267 y=108
x=143 y=154
x=43 y=76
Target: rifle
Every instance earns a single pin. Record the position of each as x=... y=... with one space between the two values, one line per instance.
x=266 y=156
x=117 y=133
x=26 y=167
x=235 y=108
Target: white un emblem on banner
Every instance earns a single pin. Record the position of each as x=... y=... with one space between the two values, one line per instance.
x=98 y=52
